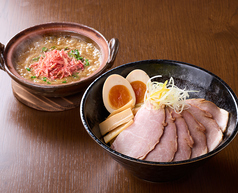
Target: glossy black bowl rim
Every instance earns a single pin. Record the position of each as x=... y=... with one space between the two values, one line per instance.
x=115 y=153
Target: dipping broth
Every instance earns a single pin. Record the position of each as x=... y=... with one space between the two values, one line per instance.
x=77 y=49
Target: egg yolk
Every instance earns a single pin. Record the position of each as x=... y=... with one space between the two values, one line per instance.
x=119 y=95
x=139 y=89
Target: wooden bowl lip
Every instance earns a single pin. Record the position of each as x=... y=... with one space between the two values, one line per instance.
x=116 y=155
x=72 y=27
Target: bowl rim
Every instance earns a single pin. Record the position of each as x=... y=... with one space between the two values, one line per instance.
x=115 y=153
x=48 y=25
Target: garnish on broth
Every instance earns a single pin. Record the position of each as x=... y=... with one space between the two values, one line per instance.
x=60 y=58
x=56 y=64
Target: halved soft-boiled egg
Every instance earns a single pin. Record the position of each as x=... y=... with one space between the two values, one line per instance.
x=138 y=79
x=117 y=92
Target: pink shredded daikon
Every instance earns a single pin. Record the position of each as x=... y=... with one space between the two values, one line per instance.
x=56 y=65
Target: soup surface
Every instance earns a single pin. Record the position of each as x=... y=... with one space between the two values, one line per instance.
x=58 y=60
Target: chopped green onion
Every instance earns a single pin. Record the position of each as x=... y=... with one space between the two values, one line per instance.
x=66 y=48
x=53 y=47
x=44 y=79
x=75 y=54
x=28 y=69
x=75 y=74
x=44 y=49
x=87 y=62
x=64 y=81
x=33 y=76
x=36 y=58
x=48 y=82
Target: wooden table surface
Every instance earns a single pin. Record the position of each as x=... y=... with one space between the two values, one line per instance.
x=51 y=151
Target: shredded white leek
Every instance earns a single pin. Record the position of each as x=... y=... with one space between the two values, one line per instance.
x=167 y=93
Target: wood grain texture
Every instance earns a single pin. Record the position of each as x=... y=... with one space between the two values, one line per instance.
x=42 y=103
x=51 y=151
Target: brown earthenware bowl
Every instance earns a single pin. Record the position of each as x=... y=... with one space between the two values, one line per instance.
x=8 y=56
x=211 y=87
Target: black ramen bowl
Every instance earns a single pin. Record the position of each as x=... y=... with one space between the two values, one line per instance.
x=211 y=87
x=9 y=55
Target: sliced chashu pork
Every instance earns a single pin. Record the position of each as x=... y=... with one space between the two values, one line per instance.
x=143 y=135
x=213 y=132
x=221 y=116
x=166 y=148
x=197 y=132
x=185 y=140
